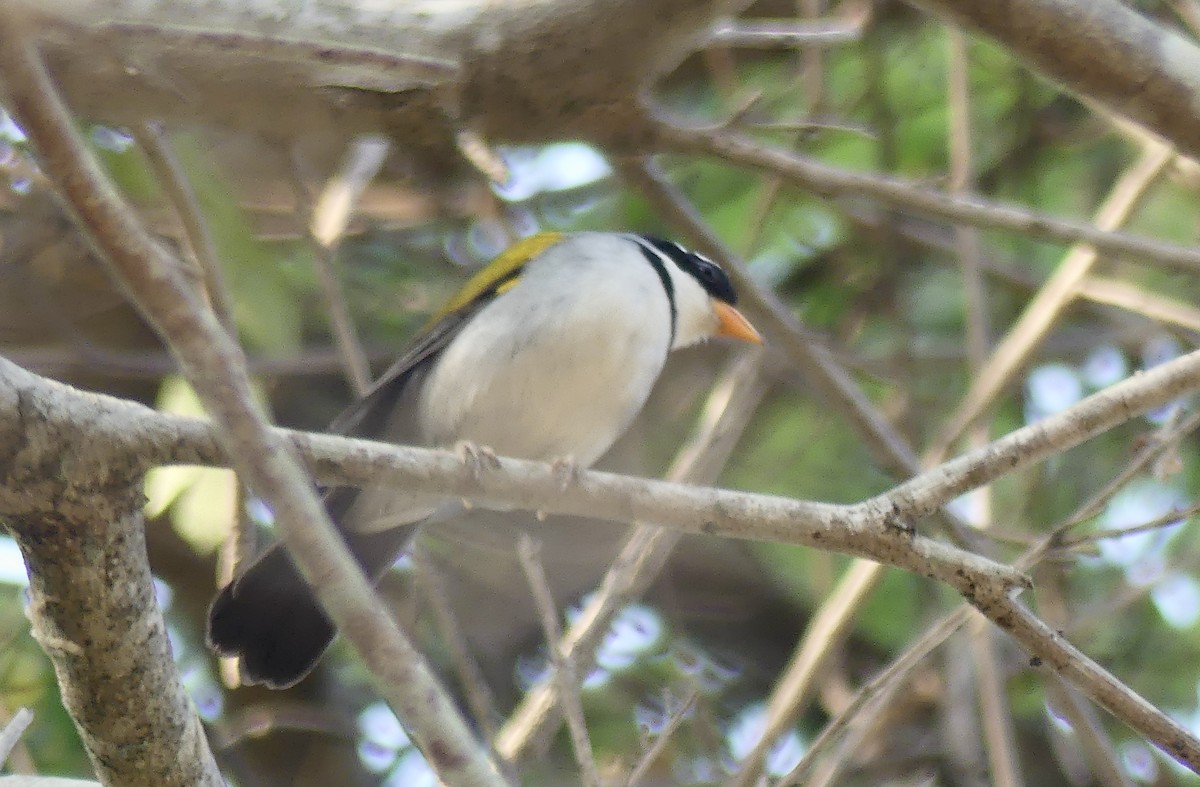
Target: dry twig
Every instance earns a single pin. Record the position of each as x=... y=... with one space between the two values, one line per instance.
x=565 y=673
x=646 y=549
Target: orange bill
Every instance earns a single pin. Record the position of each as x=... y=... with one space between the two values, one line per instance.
x=730 y=322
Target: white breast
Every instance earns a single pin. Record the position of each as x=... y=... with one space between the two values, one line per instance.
x=560 y=364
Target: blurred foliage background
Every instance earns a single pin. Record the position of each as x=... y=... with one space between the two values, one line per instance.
x=884 y=290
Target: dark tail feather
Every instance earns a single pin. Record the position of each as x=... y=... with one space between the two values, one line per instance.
x=270 y=618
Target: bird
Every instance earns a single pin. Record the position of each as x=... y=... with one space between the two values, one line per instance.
x=548 y=353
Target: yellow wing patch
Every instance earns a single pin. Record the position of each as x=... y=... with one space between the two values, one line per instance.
x=509 y=261
x=508 y=285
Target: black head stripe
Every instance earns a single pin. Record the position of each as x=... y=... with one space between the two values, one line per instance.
x=714 y=280
x=656 y=261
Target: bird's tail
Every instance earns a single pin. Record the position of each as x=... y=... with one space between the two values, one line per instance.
x=270 y=618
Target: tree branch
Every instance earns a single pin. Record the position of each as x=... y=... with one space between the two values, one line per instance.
x=879 y=528
x=873 y=529
x=820 y=178
x=1112 y=55
x=75 y=512
x=1043 y=310
x=347 y=68
x=216 y=368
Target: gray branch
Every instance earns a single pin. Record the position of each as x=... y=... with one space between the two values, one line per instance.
x=75 y=510
x=882 y=528
x=410 y=68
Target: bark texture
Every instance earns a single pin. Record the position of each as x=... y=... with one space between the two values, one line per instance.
x=419 y=70
x=74 y=507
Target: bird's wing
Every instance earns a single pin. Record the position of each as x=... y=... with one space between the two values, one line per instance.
x=387 y=411
x=369 y=416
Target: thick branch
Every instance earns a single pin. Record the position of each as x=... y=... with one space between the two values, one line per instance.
x=1100 y=49
x=216 y=368
x=867 y=530
x=75 y=511
x=878 y=528
x=410 y=68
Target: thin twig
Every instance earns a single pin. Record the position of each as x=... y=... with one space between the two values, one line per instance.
x=825 y=632
x=1164 y=438
x=784 y=34
x=872 y=696
x=812 y=77
x=962 y=182
x=655 y=750
x=330 y=216
x=1103 y=290
x=1105 y=762
x=10 y=736
x=812 y=59
x=478 y=694
x=1063 y=699
x=17 y=758
x=565 y=675
x=1056 y=293
x=958 y=717
x=479 y=154
x=826 y=180
x=324 y=224
x=1166 y=520
x=806 y=126
x=157 y=149
x=1138 y=300
x=726 y=413
x=240 y=544
x=994 y=712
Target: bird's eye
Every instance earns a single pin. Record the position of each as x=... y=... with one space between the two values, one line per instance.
x=712 y=278
x=709 y=273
